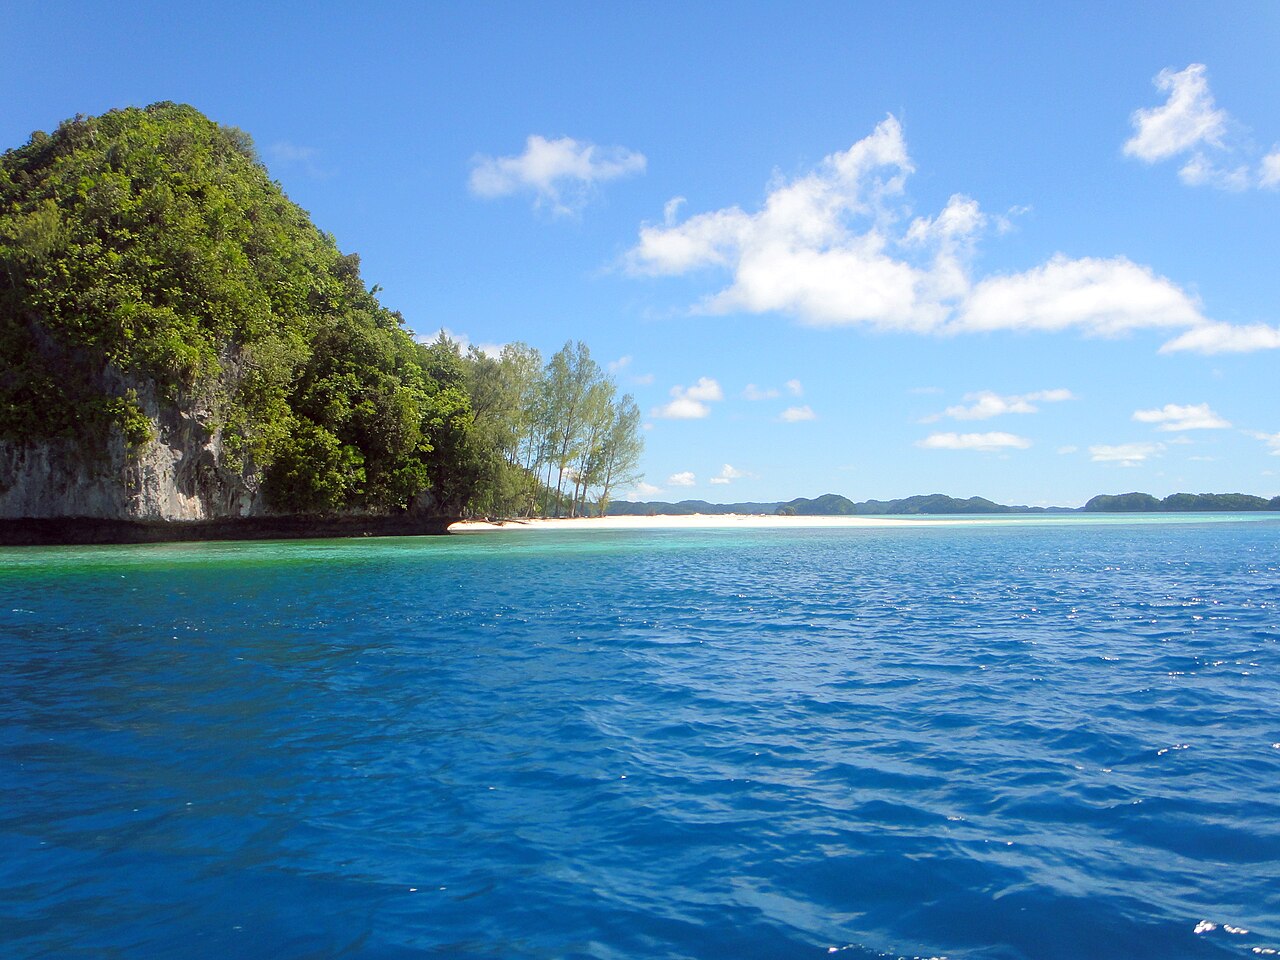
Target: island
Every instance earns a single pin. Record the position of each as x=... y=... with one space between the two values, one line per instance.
x=187 y=356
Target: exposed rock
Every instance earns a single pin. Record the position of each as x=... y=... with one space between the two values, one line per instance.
x=180 y=474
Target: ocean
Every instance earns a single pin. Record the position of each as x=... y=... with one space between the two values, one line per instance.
x=1031 y=739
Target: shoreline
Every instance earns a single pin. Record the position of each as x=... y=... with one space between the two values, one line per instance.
x=689 y=521
x=89 y=531
x=759 y=521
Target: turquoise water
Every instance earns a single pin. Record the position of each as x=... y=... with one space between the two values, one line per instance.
x=1002 y=740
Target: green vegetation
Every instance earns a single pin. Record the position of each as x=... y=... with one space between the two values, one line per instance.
x=558 y=437
x=1180 y=503
x=148 y=260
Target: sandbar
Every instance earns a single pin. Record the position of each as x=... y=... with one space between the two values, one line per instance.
x=697 y=521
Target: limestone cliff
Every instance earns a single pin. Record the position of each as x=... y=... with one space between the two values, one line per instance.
x=180 y=473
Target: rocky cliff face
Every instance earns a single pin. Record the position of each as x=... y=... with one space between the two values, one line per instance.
x=180 y=474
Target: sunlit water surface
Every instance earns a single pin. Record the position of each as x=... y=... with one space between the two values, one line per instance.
x=1012 y=741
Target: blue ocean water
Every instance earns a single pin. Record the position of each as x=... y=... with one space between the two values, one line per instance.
x=1052 y=740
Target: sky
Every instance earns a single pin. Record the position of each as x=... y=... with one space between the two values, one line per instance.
x=1000 y=249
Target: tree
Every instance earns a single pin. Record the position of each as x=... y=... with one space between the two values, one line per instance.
x=570 y=374
x=620 y=459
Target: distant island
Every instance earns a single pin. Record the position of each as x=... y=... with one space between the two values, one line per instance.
x=834 y=505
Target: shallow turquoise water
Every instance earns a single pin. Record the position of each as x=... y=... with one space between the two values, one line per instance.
x=1007 y=740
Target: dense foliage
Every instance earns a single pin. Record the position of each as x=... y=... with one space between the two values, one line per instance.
x=146 y=254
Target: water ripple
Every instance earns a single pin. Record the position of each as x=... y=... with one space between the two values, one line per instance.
x=971 y=742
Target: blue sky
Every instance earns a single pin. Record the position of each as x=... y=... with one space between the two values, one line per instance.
x=870 y=249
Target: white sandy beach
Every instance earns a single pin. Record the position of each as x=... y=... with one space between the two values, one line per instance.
x=696 y=521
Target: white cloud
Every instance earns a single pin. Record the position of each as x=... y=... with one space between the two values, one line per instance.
x=986 y=442
x=1210 y=338
x=1201 y=171
x=827 y=249
x=643 y=489
x=562 y=173
x=1173 y=418
x=617 y=366
x=727 y=475
x=1099 y=297
x=1269 y=170
x=797 y=254
x=797 y=414
x=1189 y=123
x=691 y=403
x=1272 y=440
x=1186 y=120
x=682 y=408
x=685 y=479
x=705 y=389
x=1069 y=448
x=795 y=388
x=985 y=404
x=1125 y=454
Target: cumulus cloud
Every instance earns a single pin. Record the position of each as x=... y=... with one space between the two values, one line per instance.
x=643 y=489
x=691 y=403
x=1190 y=124
x=562 y=174
x=1125 y=454
x=1173 y=418
x=827 y=248
x=685 y=479
x=797 y=414
x=1211 y=338
x=1102 y=298
x=727 y=475
x=617 y=366
x=795 y=388
x=1186 y=120
x=985 y=442
x=986 y=404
